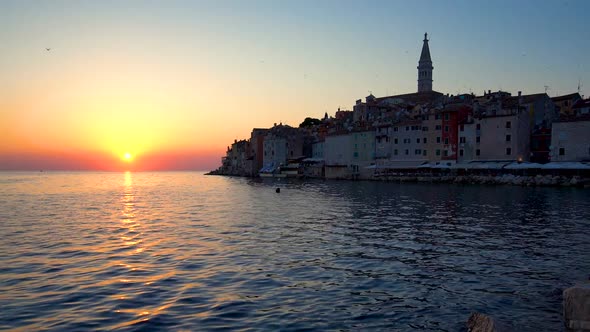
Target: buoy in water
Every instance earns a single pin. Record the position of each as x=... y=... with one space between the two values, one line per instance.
x=278 y=190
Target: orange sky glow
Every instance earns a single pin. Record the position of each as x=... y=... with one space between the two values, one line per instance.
x=174 y=83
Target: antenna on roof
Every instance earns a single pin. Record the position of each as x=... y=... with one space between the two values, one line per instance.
x=547 y=88
x=580 y=85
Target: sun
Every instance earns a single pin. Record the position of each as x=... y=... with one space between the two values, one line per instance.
x=127 y=156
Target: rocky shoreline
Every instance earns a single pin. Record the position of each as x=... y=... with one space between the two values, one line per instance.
x=504 y=179
x=575 y=306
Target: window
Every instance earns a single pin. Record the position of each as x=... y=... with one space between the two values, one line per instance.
x=562 y=151
x=356 y=154
x=437 y=117
x=508 y=124
x=446 y=141
x=446 y=129
x=478 y=126
x=424 y=140
x=424 y=152
x=417 y=152
x=424 y=128
x=407 y=152
x=438 y=139
x=477 y=152
x=477 y=139
x=508 y=151
x=395 y=152
x=461 y=152
x=438 y=152
x=437 y=127
x=417 y=140
x=395 y=141
x=446 y=153
x=462 y=128
x=395 y=129
x=461 y=139
x=407 y=128
x=508 y=137
x=446 y=116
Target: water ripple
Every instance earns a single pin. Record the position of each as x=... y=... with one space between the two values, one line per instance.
x=181 y=251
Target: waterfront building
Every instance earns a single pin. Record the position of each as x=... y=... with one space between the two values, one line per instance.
x=237 y=160
x=383 y=134
x=257 y=149
x=314 y=167
x=564 y=103
x=281 y=143
x=571 y=139
x=497 y=136
x=338 y=156
x=363 y=152
x=539 y=106
x=407 y=145
x=542 y=112
x=317 y=149
x=454 y=116
x=432 y=129
x=581 y=107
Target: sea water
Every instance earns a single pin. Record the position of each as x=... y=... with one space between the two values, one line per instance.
x=84 y=251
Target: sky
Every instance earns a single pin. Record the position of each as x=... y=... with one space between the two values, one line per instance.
x=173 y=83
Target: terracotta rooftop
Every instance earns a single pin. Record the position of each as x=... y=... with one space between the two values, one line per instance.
x=582 y=103
x=567 y=97
x=524 y=99
x=416 y=97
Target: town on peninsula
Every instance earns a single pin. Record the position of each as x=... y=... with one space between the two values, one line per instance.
x=496 y=137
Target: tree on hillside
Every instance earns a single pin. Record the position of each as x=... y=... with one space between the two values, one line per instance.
x=308 y=122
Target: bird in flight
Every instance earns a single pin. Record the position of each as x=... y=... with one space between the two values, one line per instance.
x=48 y=49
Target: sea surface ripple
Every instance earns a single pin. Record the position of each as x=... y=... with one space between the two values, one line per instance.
x=180 y=251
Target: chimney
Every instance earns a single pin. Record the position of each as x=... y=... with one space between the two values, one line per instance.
x=489 y=92
x=519 y=93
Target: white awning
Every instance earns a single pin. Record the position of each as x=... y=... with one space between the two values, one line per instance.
x=567 y=165
x=523 y=165
x=482 y=165
x=406 y=164
x=314 y=160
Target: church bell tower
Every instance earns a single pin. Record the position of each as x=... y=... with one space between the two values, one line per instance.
x=425 y=68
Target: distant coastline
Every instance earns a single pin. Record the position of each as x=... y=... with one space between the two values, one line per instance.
x=556 y=179
x=429 y=136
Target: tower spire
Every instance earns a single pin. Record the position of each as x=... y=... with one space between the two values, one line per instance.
x=425 y=68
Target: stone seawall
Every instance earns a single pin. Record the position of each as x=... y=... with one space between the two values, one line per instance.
x=506 y=179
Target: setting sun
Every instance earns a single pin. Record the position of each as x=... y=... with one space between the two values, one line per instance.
x=127 y=156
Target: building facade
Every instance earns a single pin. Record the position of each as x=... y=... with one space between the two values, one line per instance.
x=571 y=140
